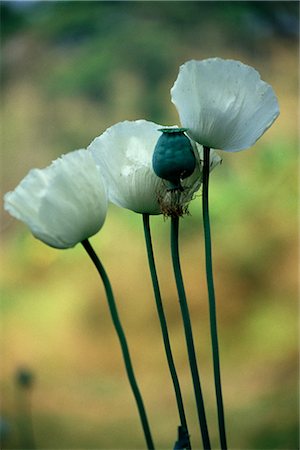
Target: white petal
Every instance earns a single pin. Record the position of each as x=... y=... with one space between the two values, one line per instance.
x=224 y=103
x=62 y=204
x=124 y=155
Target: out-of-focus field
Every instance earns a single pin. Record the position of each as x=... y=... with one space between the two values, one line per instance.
x=70 y=70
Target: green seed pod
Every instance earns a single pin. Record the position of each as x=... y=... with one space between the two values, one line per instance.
x=173 y=157
x=24 y=378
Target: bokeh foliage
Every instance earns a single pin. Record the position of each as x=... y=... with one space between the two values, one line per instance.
x=70 y=70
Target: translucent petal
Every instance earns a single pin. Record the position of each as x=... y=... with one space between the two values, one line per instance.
x=224 y=103
x=124 y=155
x=62 y=204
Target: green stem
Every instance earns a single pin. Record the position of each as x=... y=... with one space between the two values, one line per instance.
x=118 y=327
x=163 y=325
x=25 y=421
x=188 y=333
x=212 y=302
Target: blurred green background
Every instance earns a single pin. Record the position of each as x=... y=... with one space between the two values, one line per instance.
x=70 y=70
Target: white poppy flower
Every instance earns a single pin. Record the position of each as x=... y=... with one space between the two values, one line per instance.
x=62 y=204
x=124 y=154
x=224 y=103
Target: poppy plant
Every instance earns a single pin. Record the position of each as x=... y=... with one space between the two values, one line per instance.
x=62 y=204
x=224 y=103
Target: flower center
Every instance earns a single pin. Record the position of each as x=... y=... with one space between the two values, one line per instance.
x=173 y=157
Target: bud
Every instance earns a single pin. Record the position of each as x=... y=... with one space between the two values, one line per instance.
x=24 y=378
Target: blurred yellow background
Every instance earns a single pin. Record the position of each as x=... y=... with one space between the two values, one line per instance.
x=70 y=70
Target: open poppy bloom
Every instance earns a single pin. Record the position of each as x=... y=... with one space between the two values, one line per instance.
x=62 y=204
x=224 y=103
x=124 y=154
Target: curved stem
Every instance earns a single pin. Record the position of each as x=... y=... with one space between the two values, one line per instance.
x=164 y=328
x=118 y=327
x=212 y=302
x=188 y=333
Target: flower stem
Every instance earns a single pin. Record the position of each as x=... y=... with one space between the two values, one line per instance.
x=188 y=333
x=211 y=297
x=27 y=440
x=164 y=328
x=125 y=351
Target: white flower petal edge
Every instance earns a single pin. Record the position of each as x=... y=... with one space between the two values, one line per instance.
x=62 y=204
x=224 y=103
x=124 y=154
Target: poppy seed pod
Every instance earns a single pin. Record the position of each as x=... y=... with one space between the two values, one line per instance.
x=173 y=157
x=24 y=378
